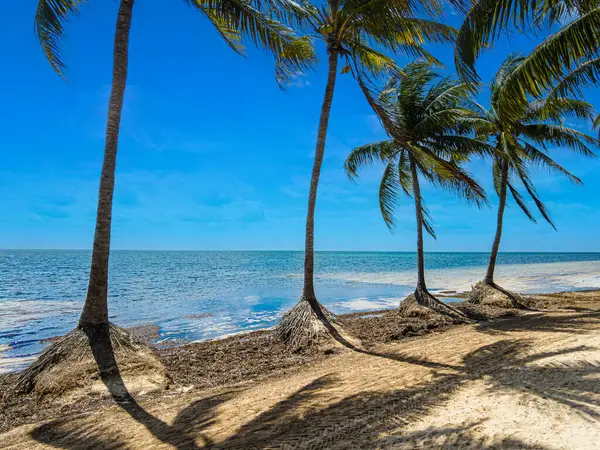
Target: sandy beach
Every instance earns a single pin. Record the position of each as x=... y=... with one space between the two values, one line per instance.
x=527 y=381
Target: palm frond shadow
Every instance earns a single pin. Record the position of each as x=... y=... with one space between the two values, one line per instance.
x=571 y=323
x=182 y=434
x=315 y=416
x=456 y=437
x=378 y=417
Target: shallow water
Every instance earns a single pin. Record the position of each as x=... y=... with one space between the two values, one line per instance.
x=204 y=295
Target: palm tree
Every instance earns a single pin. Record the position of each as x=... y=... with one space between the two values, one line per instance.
x=424 y=115
x=233 y=20
x=357 y=31
x=522 y=138
x=569 y=55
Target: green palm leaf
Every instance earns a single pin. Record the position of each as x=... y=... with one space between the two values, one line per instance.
x=482 y=27
x=293 y=55
x=423 y=115
x=538 y=157
x=50 y=18
x=556 y=56
x=585 y=75
x=520 y=201
x=518 y=131
x=389 y=193
x=383 y=151
x=561 y=136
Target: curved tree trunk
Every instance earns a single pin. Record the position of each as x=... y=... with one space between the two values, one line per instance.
x=308 y=292
x=95 y=345
x=422 y=300
x=95 y=309
x=419 y=216
x=489 y=277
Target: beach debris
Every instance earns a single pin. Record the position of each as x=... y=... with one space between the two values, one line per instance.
x=300 y=327
x=422 y=304
x=99 y=360
x=494 y=295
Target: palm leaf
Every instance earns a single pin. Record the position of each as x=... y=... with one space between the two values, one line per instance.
x=520 y=201
x=293 y=55
x=230 y=35
x=482 y=27
x=389 y=193
x=541 y=159
x=50 y=18
x=561 y=136
x=449 y=175
x=427 y=220
x=556 y=109
x=585 y=75
x=382 y=151
x=556 y=56
x=372 y=60
x=524 y=177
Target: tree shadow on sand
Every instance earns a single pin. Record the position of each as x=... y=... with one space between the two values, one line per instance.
x=572 y=323
x=456 y=438
x=313 y=418
x=316 y=417
x=182 y=434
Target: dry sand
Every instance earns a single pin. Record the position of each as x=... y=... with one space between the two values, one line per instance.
x=529 y=382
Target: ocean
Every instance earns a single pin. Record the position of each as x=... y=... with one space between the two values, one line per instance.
x=196 y=295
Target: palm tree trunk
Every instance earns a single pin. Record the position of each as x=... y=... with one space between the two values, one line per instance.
x=419 y=215
x=421 y=297
x=308 y=292
x=489 y=277
x=95 y=309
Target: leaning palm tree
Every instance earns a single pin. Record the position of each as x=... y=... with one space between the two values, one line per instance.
x=424 y=116
x=569 y=55
x=521 y=138
x=355 y=31
x=233 y=19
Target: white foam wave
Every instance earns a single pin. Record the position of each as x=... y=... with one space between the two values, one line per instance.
x=544 y=277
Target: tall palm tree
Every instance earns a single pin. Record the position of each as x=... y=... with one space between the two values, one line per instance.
x=521 y=139
x=571 y=52
x=424 y=116
x=233 y=20
x=356 y=31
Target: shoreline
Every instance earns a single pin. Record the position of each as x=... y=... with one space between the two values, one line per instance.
x=149 y=332
x=248 y=358
x=195 y=303
x=251 y=369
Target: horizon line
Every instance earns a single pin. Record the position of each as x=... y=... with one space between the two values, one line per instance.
x=283 y=251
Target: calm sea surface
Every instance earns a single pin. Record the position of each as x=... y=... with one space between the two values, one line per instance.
x=203 y=295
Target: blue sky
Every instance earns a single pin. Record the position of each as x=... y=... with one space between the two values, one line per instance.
x=213 y=155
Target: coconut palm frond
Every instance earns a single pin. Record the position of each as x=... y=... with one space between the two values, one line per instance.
x=422 y=113
x=382 y=151
x=293 y=55
x=520 y=201
x=585 y=75
x=451 y=176
x=371 y=60
x=560 y=136
x=556 y=56
x=524 y=177
x=482 y=26
x=389 y=193
x=230 y=35
x=427 y=220
x=50 y=19
x=556 y=109
x=539 y=158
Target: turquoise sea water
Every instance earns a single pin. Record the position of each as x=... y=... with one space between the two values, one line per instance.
x=203 y=295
